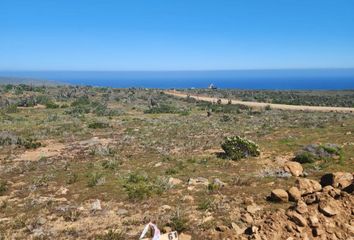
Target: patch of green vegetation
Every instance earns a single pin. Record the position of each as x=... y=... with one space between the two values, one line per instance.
x=305 y=157
x=205 y=204
x=111 y=164
x=72 y=178
x=3 y=187
x=95 y=178
x=178 y=221
x=98 y=125
x=237 y=148
x=166 y=108
x=112 y=235
x=139 y=186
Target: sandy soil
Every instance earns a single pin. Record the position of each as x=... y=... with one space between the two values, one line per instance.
x=263 y=105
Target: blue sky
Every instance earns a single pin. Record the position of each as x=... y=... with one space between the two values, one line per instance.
x=175 y=34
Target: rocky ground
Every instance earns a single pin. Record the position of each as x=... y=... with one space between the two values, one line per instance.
x=103 y=166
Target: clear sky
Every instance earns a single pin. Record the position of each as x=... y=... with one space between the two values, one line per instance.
x=175 y=34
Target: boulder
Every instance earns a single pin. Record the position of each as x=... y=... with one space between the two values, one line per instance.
x=331 y=191
x=297 y=218
x=217 y=182
x=237 y=229
x=279 y=195
x=253 y=208
x=338 y=179
x=313 y=220
x=311 y=198
x=294 y=194
x=301 y=207
x=198 y=181
x=294 y=168
x=96 y=205
x=174 y=181
x=328 y=207
x=184 y=236
x=307 y=186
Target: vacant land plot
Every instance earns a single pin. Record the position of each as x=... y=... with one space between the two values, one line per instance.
x=100 y=163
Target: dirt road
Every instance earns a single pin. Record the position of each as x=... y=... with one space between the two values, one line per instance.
x=261 y=105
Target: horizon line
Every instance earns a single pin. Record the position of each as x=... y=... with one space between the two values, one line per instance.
x=190 y=70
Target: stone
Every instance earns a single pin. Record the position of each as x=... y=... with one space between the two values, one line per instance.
x=184 y=236
x=338 y=179
x=174 y=181
x=294 y=168
x=294 y=194
x=166 y=229
x=208 y=219
x=237 y=229
x=301 y=207
x=317 y=232
x=279 y=195
x=217 y=182
x=253 y=208
x=198 y=181
x=307 y=186
x=328 y=207
x=96 y=205
x=314 y=221
x=62 y=191
x=165 y=208
x=41 y=221
x=297 y=218
x=188 y=198
x=247 y=218
x=122 y=212
x=159 y=164
x=349 y=189
x=331 y=191
x=221 y=228
x=311 y=198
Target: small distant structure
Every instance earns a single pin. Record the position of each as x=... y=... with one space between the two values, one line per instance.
x=212 y=86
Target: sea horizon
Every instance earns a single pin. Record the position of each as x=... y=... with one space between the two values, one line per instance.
x=266 y=79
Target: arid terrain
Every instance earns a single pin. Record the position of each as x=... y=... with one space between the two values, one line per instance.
x=101 y=163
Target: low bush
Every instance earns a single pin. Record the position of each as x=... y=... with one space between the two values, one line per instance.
x=112 y=235
x=3 y=187
x=314 y=152
x=139 y=187
x=97 y=125
x=95 y=179
x=28 y=143
x=236 y=148
x=178 y=221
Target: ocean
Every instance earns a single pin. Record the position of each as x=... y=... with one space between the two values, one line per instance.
x=311 y=79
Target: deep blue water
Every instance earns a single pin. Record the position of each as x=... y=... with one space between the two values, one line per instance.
x=324 y=79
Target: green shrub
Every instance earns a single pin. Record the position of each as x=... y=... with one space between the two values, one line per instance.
x=84 y=100
x=11 y=109
x=112 y=235
x=97 y=125
x=163 y=108
x=205 y=204
x=236 y=148
x=138 y=191
x=178 y=221
x=28 y=143
x=305 y=157
x=110 y=164
x=51 y=105
x=139 y=186
x=316 y=152
x=3 y=187
x=72 y=178
x=95 y=179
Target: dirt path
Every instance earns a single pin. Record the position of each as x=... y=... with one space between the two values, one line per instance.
x=263 y=105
